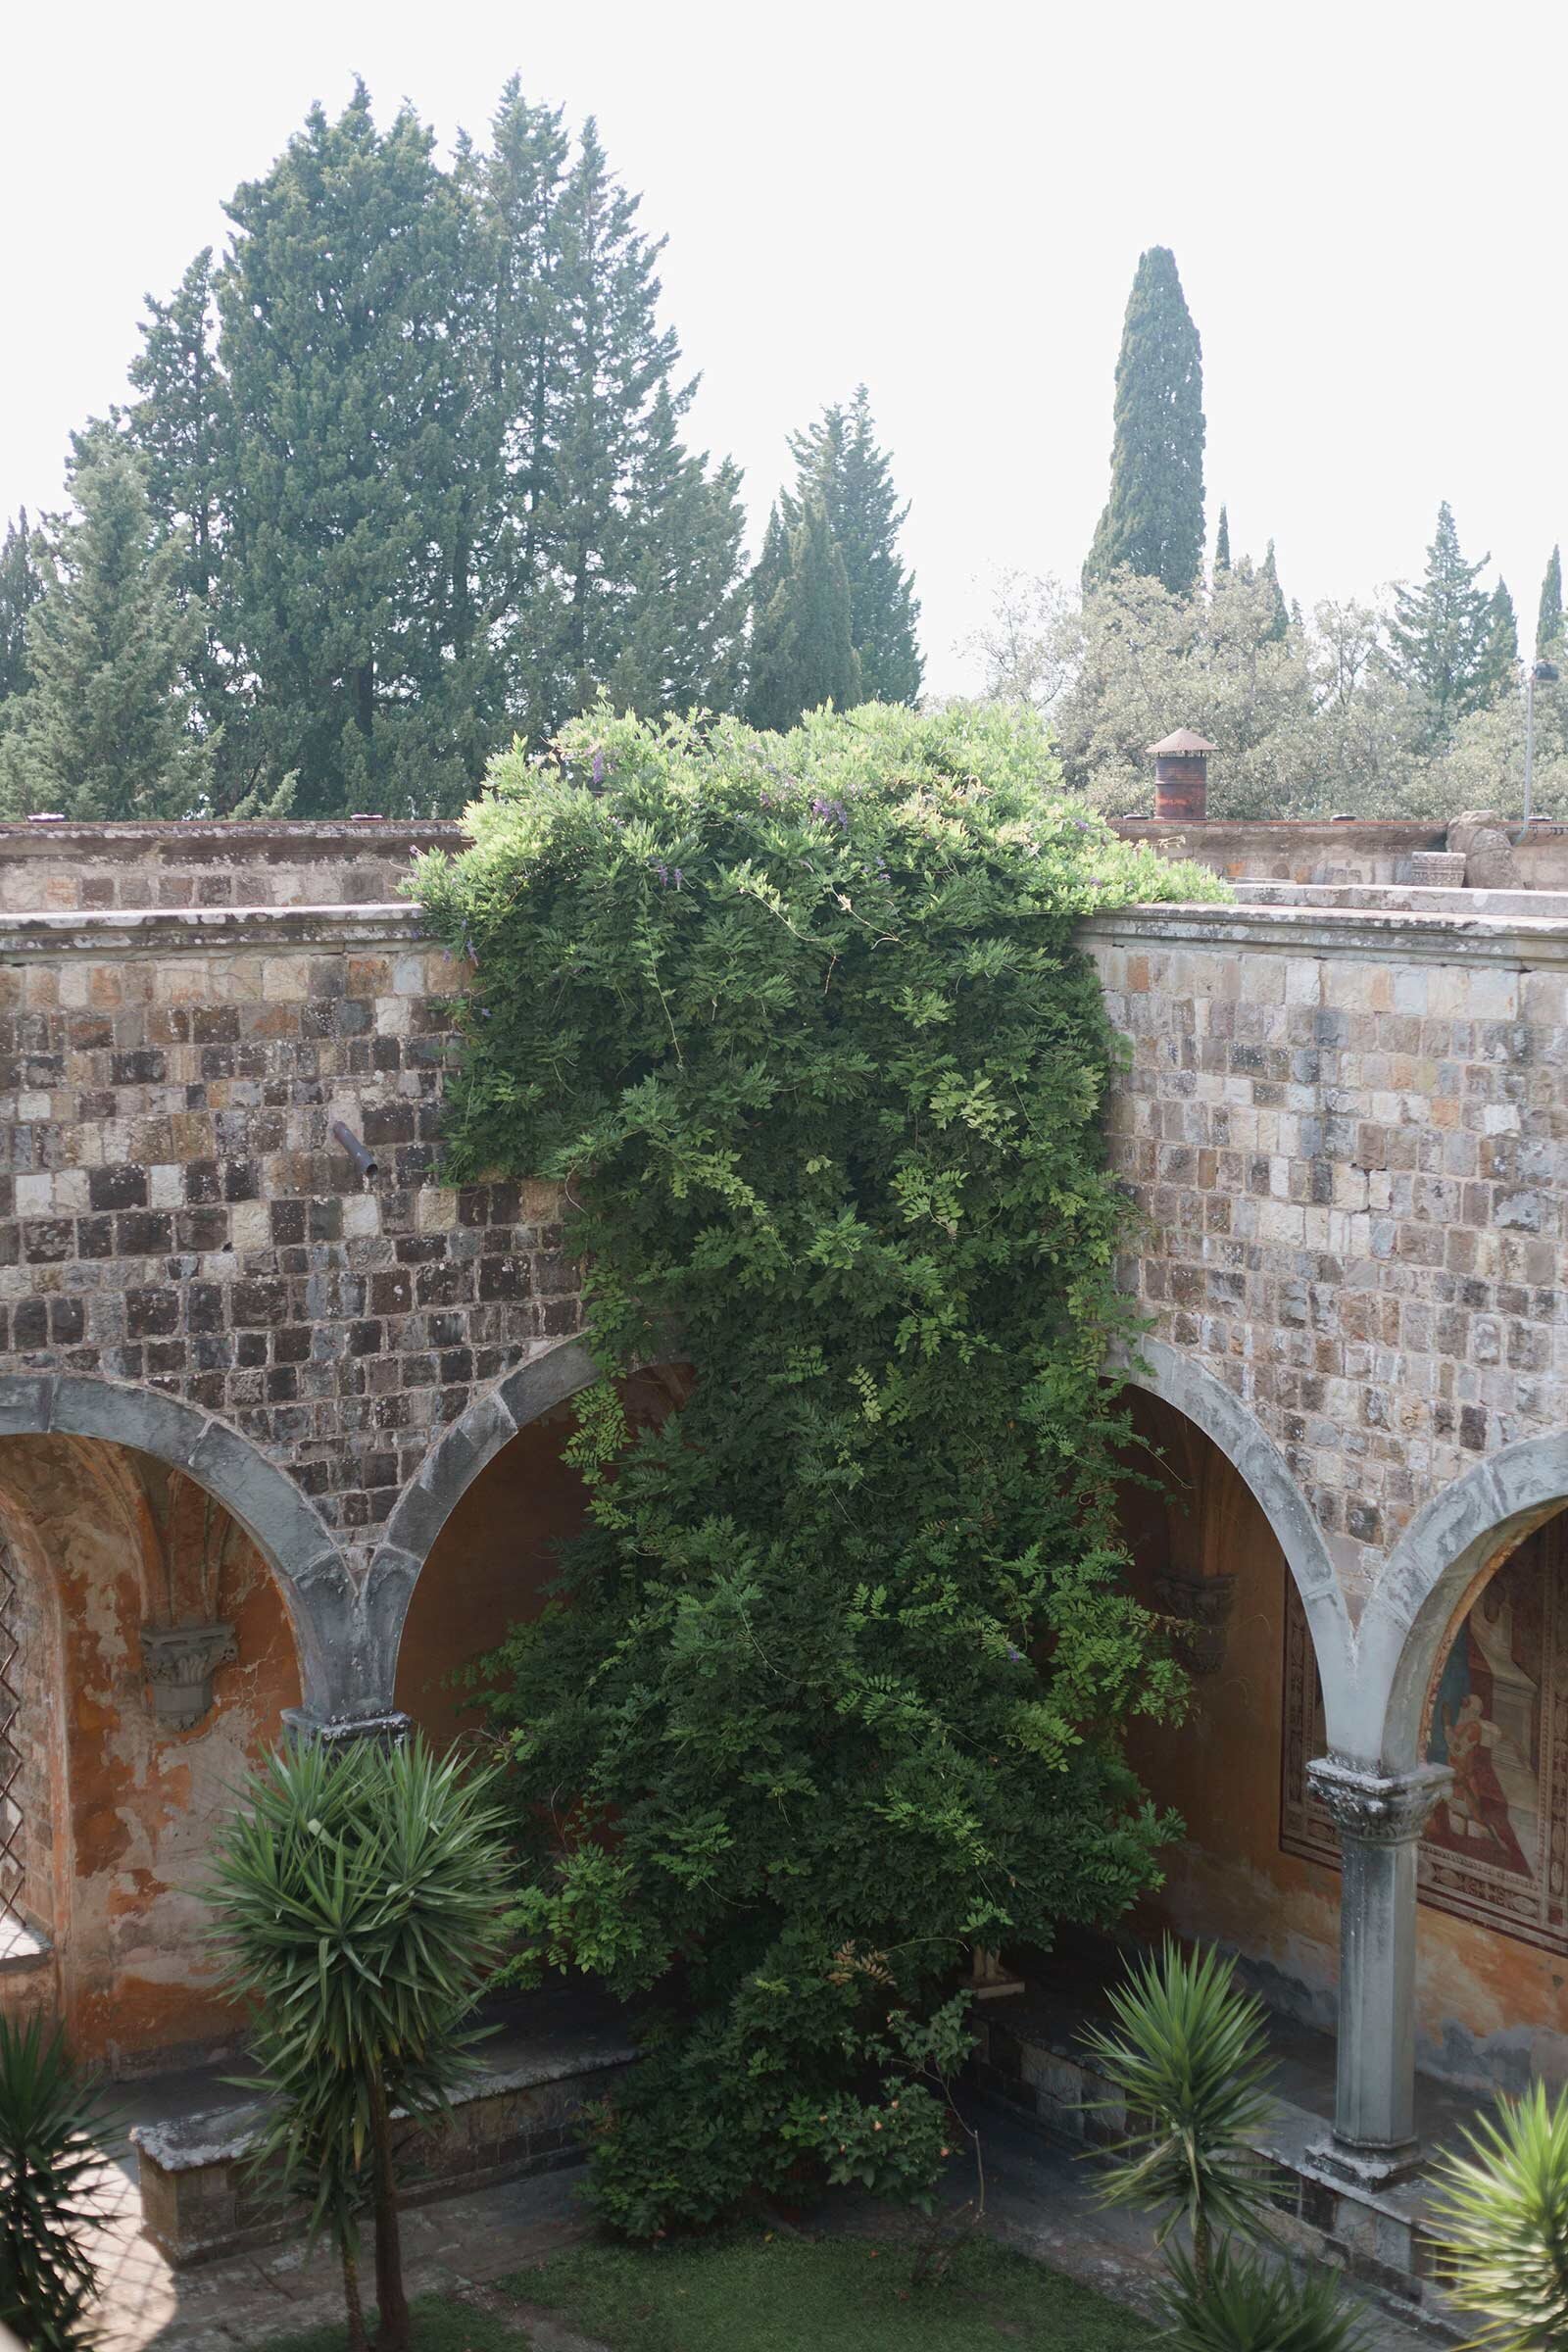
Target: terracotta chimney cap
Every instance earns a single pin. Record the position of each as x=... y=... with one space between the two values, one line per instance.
x=1183 y=744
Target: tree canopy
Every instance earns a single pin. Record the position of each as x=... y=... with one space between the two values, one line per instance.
x=1154 y=519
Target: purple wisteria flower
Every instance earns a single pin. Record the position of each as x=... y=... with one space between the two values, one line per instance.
x=831 y=812
x=599 y=767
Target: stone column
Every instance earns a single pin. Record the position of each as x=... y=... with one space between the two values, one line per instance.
x=1380 y=1822
x=337 y=1731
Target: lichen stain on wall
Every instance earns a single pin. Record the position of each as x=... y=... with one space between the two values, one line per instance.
x=125 y=1542
x=1491 y=2009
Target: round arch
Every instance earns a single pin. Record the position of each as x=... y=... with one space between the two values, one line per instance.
x=1180 y=1381
x=444 y=1477
x=1447 y=1551
x=281 y=1522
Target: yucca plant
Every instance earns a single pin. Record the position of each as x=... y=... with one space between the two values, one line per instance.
x=1190 y=2063
x=51 y=2126
x=1498 y=2215
x=1247 y=2303
x=358 y=1896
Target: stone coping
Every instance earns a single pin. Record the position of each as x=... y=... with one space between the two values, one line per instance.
x=207 y=930
x=273 y=839
x=1291 y=919
x=1362 y=935
x=508 y=2061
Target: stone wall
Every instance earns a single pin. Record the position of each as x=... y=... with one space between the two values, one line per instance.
x=353 y=863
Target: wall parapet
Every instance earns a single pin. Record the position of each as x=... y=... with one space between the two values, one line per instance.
x=1359 y=934
x=209 y=930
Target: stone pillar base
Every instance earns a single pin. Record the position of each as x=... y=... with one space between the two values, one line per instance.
x=337 y=1731
x=1366 y=2168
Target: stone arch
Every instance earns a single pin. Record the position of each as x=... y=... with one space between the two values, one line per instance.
x=443 y=1478
x=1445 y=1554
x=281 y=1522
x=1183 y=1382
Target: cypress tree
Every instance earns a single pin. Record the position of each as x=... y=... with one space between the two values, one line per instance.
x=1501 y=660
x=1222 y=544
x=350 y=394
x=21 y=586
x=1549 y=625
x=801 y=650
x=1281 y=621
x=107 y=727
x=839 y=464
x=1154 y=519
x=1441 y=630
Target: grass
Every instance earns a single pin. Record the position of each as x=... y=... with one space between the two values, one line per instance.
x=439 y=2325
x=792 y=2294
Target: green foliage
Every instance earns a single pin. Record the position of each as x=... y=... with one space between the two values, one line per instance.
x=749 y=2292
x=1442 y=637
x=1548 y=619
x=1498 y=2213
x=1251 y=2304
x=838 y=1687
x=21 y=586
x=51 y=2126
x=1190 y=2060
x=358 y=1900
x=106 y=728
x=1153 y=520
x=1279 y=618
x=1222 y=544
x=840 y=465
x=802 y=653
x=417 y=444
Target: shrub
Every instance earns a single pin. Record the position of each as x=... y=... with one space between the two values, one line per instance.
x=357 y=1898
x=1189 y=2059
x=1499 y=2214
x=51 y=2124
x=838 y=1687
x=1248 y=2304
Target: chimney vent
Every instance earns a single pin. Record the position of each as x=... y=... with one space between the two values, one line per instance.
x=1181 y=777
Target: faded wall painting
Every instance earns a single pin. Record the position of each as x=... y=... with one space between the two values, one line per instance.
x=1496 y=1850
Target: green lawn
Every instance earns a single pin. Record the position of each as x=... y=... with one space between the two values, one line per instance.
x=439 y=2327
x=791 y=2294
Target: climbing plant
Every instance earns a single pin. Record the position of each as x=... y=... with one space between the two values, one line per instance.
x=835 y=1687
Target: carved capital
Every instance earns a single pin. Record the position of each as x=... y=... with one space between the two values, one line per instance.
x=1200 y=1607
x=1378 y=1810
x=179 y=1662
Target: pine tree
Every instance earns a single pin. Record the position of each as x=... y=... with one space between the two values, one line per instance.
x=107 y=727
x=1154 y=519
x=1549 y=625
x=22 y=584
x=1441 y=632
x=802 y=652
x=839 y=464
x=1501 y=660
x=1282 y=612
x=1222 y=544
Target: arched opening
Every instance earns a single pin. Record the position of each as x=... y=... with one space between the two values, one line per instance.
x=1206 y=1558
x=153 y=1663
x=494 y=1561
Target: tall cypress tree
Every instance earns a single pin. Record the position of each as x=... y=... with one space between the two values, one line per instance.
x=802 y=652
x=1154 y=519
x=1501 y=660
x=107 y=728
x=21 y=586
x=1441 y=631
x=1222 y=544
x=1548 y=623
x=839 y=464
x=1271 y=576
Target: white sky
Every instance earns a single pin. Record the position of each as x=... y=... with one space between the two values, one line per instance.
x=1365 y=201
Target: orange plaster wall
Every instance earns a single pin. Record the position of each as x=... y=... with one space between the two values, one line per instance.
x=122 y=1545
x=1491 y=2010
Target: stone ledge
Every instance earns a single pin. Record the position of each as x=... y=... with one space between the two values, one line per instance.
x=1326 y=934
x=208 y=930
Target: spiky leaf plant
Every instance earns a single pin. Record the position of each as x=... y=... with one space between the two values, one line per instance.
x=358 y=1896
x=1498 y=2213
x=1248 y=2304
x=51 y=2126
x=1189 y=2060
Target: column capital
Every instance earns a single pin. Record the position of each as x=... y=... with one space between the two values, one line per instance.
x=1375 y=1808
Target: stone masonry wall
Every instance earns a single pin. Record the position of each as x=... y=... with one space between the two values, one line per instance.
x=173 y=1212
x=1348 y=1138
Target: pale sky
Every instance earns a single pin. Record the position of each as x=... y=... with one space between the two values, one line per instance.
x=1365 y=201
